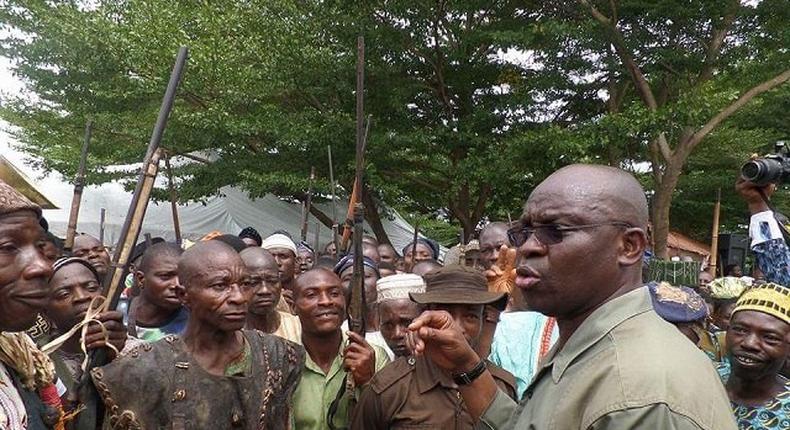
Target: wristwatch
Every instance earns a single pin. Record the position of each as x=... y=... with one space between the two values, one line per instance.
x=466 y=378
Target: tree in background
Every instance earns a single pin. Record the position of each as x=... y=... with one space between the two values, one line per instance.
x=473 y=102
x=269 y=85
x=652 y=81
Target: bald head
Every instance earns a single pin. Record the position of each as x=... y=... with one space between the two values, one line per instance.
x=492 y=237
x=603 y=192
x=493 y=232
x=258 y=259
x=204 y=257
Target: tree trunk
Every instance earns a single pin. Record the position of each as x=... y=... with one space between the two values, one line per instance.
x=662 y=201
x=468 y=226
x=321 y=216
x=373 y=217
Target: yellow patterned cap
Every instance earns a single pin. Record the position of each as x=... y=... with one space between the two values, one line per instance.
x=772 y=299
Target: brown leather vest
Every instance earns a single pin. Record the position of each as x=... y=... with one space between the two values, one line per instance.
x=159 y=386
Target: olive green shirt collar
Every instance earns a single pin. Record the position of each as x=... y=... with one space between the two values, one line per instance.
x=597 y=325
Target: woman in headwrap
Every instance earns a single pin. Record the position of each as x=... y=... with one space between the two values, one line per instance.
x=425 y=249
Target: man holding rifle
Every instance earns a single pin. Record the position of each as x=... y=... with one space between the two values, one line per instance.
x=320 y=304
x=217 y=375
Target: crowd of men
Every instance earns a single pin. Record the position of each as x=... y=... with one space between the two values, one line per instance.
x=543 y=323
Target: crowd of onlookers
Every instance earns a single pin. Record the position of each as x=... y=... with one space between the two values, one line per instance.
x=182 y=336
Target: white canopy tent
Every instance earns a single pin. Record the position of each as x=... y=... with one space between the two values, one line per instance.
x=229 y=212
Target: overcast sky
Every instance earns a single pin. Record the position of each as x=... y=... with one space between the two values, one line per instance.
x=9 y=84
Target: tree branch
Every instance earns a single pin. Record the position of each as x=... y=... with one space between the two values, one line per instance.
x=640 y=82
x=321 y=216
x=419 y=181
x=714 y=122
x=717 y=41
x=482 y=199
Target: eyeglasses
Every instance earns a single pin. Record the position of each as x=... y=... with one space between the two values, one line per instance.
x=550 y=234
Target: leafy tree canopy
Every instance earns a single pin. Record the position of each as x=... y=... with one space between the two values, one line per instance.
x=472 y=102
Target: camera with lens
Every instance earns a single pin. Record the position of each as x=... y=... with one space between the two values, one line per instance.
x=773 y=168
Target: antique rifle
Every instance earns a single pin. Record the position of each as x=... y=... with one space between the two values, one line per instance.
x=412 y=263
x=307 y=204
x=355 y=219
x=356 y=191
x=79 y=184
x=334 y=202
x=142 y=193
x=173 y=198
x=113 y=281
x=102 y=222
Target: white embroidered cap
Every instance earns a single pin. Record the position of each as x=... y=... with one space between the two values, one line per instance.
x=399 y=286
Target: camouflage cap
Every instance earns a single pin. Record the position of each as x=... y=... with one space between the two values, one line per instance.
x=12 y=200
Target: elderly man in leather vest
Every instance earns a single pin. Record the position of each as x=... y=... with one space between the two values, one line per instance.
x=216 y=375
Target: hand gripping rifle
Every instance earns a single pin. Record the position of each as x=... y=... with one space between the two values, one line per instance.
x=79 y=184
x=113 y=281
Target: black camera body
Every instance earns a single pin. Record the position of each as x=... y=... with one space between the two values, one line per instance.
x=773 y=168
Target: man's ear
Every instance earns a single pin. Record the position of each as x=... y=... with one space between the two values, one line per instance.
x=182 y=294
x=632 y=246
x=140 y=276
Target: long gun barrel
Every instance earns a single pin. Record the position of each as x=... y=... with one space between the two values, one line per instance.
x=79 y=185
x=334 y=202
x=142 y=193
x=356 y=191
x=130 y=231
x=173 y=199
x=308 y=203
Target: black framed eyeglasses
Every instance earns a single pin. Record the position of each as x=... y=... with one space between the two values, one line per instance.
x=550 y=234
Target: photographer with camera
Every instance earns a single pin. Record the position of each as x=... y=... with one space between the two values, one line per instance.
x=757 y=183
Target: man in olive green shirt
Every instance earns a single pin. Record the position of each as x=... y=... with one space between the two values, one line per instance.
x=617 y=364
x=320 y=304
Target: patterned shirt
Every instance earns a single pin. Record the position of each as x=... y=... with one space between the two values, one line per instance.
x=12 y=411
x=773 y=415
x=771 y=253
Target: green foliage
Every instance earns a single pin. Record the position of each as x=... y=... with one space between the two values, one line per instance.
x=457 y=130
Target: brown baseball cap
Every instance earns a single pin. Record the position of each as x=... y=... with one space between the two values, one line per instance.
x=460 y=285
x=12 y=200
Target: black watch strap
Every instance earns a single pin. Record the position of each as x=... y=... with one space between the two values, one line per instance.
x=466 y=378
